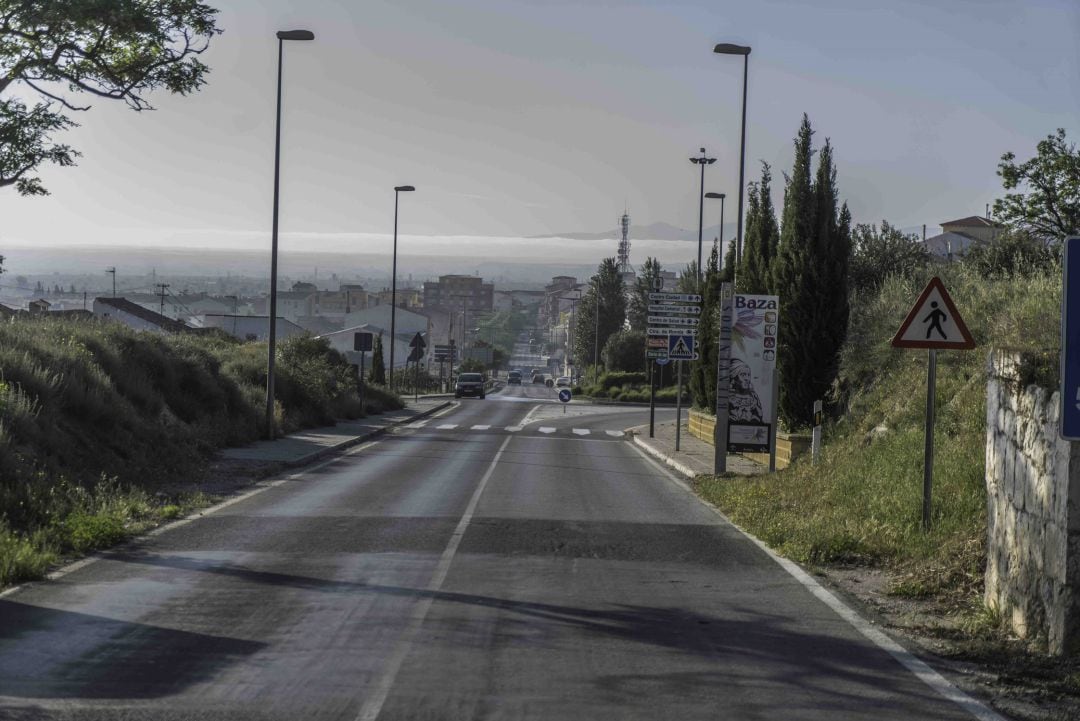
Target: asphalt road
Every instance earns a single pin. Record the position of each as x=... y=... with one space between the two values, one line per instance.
x=484 y=570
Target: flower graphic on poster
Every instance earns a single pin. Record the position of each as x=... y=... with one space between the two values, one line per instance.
x=746 y=323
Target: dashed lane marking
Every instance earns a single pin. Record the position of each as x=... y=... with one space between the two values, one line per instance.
x=581 y=431
x=514 y=429
x=447 y=426
x=480 y=428
x=546 y=429
x=615 y=434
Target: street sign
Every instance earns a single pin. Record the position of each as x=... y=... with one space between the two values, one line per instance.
x=657 y=353
x=1070 y=341
x=663 y=361
x=672 y=320
x=361 y=341
x=656 y=341
x=681 y=347
x=675 y=297
x=418 y=342
x=670 y=331
x=934 y=322
x=675 y=309
x=564 y=395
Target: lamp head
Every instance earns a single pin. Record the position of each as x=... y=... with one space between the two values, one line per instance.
x=295 y=35
x=732 y=49
x=715 y=195
x=404 y=188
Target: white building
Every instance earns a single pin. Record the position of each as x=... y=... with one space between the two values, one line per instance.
x=135 y=316
x=250 y=327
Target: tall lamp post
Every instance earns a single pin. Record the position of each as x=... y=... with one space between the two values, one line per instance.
x=721 y=196
x=393 y=282
x=744 y=50
x=596 y=334
x=282 y=36
x=702 y=161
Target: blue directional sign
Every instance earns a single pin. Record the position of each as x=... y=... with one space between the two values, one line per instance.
x=564 y=395
x=1070 y=342
x=663 y=361
x=681 y=347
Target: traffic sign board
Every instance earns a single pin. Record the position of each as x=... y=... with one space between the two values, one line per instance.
x=672 y=320
x=938 y=325
x=656 y=341
x=1070 y=341
x=663 y=361
x=418 y=342
x=675 y=297
x=657 y=353
x=681 y=347
x=671 y=331
x=670 y=309
x=564 y=395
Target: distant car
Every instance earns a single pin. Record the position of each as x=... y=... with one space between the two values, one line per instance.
x=469 y=384
x=513 y=378
x=536 y=371
x=562 y=382
x=538 y=378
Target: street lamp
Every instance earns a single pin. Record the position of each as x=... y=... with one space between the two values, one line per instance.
x=702 y=161
x=282 y=36
x=393 y=281
x=744 y=50
x=596 y=334
x=721 y=196
x=572 y=328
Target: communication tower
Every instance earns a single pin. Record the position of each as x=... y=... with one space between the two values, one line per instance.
x=624 y=244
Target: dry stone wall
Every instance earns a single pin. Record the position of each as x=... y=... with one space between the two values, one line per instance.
x=1033 y=503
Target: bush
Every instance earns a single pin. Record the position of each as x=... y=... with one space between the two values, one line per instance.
x=625 y=351
x=619 y=379
x=1012 y=255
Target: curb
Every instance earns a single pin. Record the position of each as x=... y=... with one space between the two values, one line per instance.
x=356 y=440
x=661 y=456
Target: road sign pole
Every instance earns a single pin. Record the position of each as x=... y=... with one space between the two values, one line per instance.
x=652 y=399
x=723 y=382
x=815 y=437
x=678 y=403
x=362 y=354
x=772 y=431
x=928 y=460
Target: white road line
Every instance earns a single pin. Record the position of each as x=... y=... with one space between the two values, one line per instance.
x=529 y=416
x=546 y=429
x=615 y=434
x=446 y=427
x=374 y=703
x=915 y=665
x=581 y=431
x=514 y=429
x=480 y=428
x=419 y=424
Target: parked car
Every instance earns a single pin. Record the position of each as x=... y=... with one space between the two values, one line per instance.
x=562 y=382
x=469 y=384
x=513 y=378
x=538 y=377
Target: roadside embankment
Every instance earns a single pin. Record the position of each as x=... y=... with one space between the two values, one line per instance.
x=97 y=419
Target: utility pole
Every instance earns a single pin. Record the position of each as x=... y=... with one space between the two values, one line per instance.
x=163 y=287
x=112 y=271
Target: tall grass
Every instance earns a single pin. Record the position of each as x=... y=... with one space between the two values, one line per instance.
x=95 y=416
x=862 y=503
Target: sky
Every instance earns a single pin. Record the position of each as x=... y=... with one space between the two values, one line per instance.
x=516 y=118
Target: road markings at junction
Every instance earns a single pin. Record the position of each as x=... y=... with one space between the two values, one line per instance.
x=615 y=434
x=447 y=426
x=419 y=424
x=480 y=428
x=916 y=666
x=377 y=697
x=514 y=429
x=546 y=429
x=581 y=431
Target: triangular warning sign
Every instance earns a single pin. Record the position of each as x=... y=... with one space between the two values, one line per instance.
x=934 y=322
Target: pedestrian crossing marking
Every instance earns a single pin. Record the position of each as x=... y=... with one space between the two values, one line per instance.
x=514 y=429
x=480 y=428
x=419 y=424
x=546 y=429
x=581 y=431
x=447 y=426
x=615 y=434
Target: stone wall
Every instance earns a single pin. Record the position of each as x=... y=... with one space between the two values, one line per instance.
x=1033 y=503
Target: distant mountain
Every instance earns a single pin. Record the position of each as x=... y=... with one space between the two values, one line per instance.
x=653 y=231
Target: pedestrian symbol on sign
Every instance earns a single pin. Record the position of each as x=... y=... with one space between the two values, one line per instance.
x=934 y=319
x=681 y=347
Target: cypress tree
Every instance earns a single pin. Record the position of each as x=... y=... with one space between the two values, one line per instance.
x=703 y=370
x=637 y=311
x=727 y=271
x=750 y=267
x=607 y=296
x=377 y=374
x=768 y=230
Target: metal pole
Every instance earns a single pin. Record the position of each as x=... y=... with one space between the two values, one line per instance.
x=815 y=436
x=652 y=397
x=721 y=248
x=678 y=404
x=742 y=167
x=416 y=386
x=272 y=337
x=928 y=462
x=772 y=429
x=393 y=295
x=596 y=339
x=362 y=354
x=700 y=223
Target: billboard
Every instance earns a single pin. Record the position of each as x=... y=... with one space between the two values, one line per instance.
x=753 y=360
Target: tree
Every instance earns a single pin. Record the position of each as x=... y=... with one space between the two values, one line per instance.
x=688 y=279
x=637 y=311
x=810 y=275
x=471 y=365
x=606 y=296
x=113 y=49
x=703 y=370
x=1012 y=254
x=625 y=351
x=1051 y=208
x=878 y=254
x=762 y=237
x=377 y=374
x=727 y=270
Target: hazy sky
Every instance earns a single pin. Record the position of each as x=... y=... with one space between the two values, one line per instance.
x=517 y=118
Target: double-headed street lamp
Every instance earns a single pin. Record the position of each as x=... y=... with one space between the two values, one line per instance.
x=702 y=161
x=393 y=281
x=282 y=36
x=744 y=50
x=721 y=196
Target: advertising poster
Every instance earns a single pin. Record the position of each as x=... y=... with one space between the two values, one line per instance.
x=753 y=358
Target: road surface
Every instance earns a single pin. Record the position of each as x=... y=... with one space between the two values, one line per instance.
x=500 y=561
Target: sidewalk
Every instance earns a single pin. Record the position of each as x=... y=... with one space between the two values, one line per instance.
x=304 y=447
x=694 y=457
